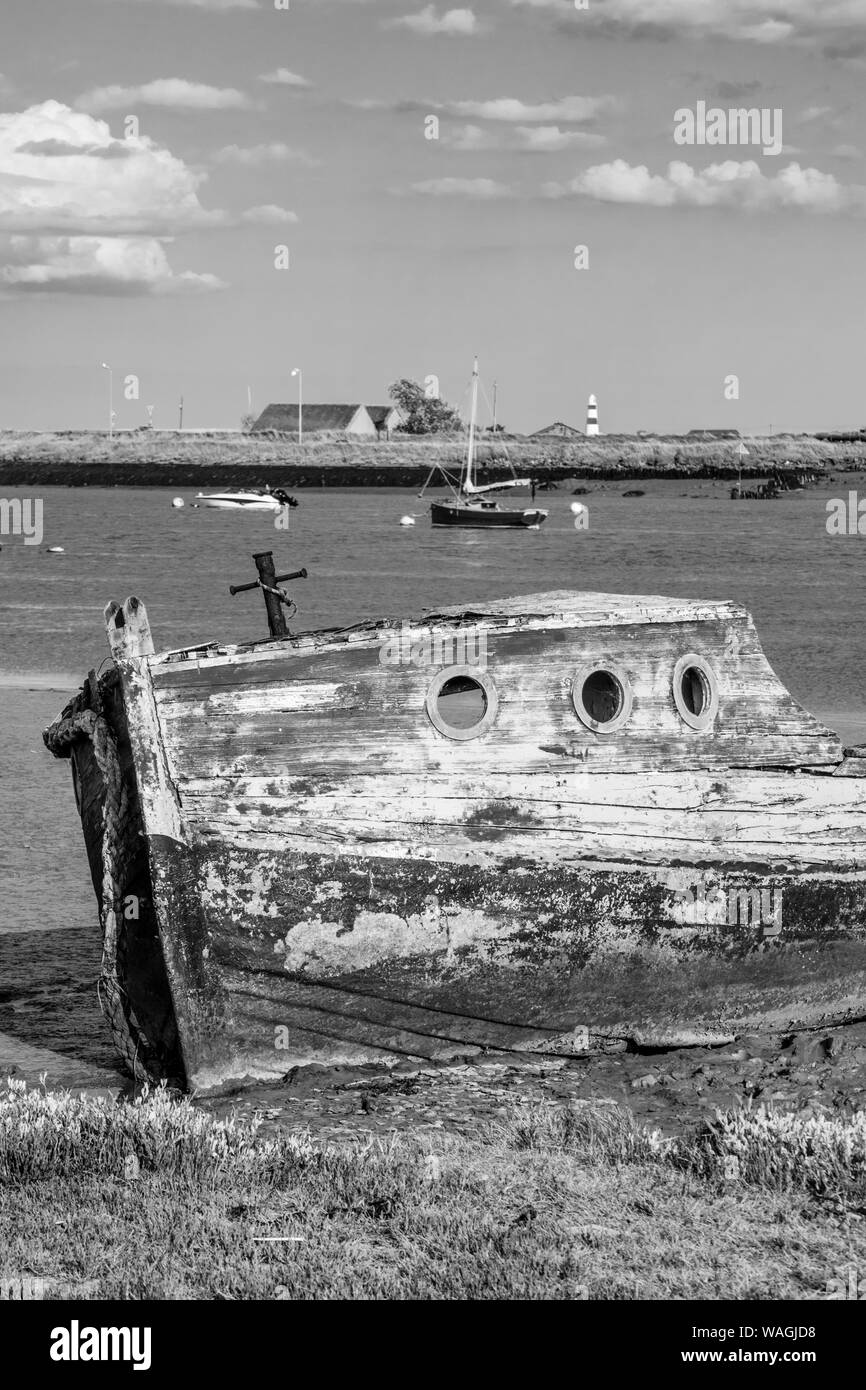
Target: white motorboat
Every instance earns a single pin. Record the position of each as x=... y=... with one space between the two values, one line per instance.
x=246 y=501
x=239 y=501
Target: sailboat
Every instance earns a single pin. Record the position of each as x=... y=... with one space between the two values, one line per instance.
x=472 y=505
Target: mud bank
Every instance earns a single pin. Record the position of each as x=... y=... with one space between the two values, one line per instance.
x=816 y=1073
x=147 y=458
x=56 y=1028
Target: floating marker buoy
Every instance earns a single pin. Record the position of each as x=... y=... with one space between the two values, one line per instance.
x=407 y=521
x=578 y=507
x=177 y=501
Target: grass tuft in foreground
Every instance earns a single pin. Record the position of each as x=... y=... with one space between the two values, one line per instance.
x=57 y=1134
x=774 y=1150
x=157 y=1199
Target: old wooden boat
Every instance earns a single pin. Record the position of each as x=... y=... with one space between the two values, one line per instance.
x=548 y=824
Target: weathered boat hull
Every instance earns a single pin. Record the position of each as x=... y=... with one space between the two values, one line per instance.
x=334 y=881
x=362 y=959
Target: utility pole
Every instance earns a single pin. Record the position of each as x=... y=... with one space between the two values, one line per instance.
x=110 y=400
x=299 y=374
x=180 y=422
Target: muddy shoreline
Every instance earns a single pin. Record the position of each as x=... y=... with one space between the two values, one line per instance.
x=56 y=1029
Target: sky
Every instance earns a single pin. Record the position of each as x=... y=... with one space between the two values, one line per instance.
x=430 y=171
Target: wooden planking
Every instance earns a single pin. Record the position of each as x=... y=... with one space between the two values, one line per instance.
x=531 y=613
x=505 y=944
x=588 y=608
x=749 y=816
x=329 y=1002
x=828 y=850
x=262 y=1010
x=332 y=712
x=281 y=662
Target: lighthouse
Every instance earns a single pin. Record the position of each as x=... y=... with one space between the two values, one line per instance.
x=592 y=416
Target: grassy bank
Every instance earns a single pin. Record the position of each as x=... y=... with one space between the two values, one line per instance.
x=158 y=1199
x=166 y=458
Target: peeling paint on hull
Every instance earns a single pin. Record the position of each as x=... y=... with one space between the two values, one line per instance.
x=317 y=958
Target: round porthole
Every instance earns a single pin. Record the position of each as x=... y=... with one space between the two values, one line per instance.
x=602 y=697
x=696 y=691
x=461 y=702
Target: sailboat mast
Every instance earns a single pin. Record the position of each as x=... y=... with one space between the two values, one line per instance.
x=473 y=418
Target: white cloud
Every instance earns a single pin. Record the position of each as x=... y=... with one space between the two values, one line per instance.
x=730 y=184
x=63 y=171
x=546 y=139
x=469 y=138
x=572 y=110
x=210 y=4
x=461 y=188
x=261 y=154
x=452 y=23
x=283 y=78
x=174 y=92
x=267 y=214
x=95 y=265
x=84 y=209
x=815 y=113
x=528 y=139
x=768 y=22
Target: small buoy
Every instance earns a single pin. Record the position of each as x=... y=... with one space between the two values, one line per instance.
x=407 y=521
x=578 y=507
x=55 y=550
x=177 y=501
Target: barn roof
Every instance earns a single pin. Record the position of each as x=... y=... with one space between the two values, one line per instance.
x=557 y=428
x=284 y=418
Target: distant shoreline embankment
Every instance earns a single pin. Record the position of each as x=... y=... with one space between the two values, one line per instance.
x=156 y=458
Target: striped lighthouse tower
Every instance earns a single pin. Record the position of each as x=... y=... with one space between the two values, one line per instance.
x=592 y=416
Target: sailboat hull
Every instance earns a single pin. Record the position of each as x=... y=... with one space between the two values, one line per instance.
x=455 y=514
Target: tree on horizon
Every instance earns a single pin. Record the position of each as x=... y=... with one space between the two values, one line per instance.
x=423 y=414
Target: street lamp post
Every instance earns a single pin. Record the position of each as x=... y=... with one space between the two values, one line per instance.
x=296 y=371
x=110 y=400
